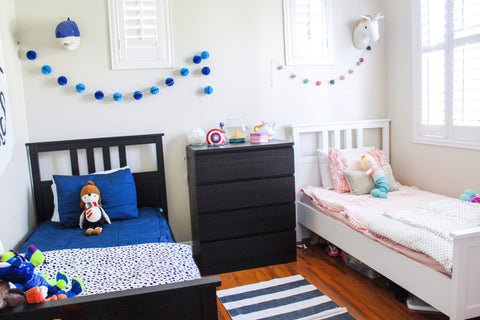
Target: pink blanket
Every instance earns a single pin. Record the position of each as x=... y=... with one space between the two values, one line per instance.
x=359 y=210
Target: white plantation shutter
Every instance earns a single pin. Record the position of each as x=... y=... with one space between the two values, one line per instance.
x=140 y=34
x=307 y=29
x=448 y=97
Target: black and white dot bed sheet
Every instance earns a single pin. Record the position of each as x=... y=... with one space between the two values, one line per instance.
x=121 y=268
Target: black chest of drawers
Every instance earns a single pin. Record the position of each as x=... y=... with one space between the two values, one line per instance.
x=242 y=205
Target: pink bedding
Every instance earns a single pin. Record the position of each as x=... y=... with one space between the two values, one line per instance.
x=358 y=210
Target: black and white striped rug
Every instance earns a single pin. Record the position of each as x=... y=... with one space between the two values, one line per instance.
x=281 y=299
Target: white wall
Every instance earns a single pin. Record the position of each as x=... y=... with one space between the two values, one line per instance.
x=15 y=194
x=441 y=169
x=242 y=37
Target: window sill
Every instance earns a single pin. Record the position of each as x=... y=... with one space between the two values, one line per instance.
x=444 y=142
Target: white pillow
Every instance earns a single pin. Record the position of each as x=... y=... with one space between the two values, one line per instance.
x=325 y=175
x=56 y=216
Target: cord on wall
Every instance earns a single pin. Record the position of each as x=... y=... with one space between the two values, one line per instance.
x=2 y=250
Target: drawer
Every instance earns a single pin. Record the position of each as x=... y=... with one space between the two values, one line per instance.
x=246 y=222
x=246 y=253
x=246 y=164
x=243 y=194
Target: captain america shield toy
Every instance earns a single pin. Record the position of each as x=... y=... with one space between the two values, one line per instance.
x=215 y=137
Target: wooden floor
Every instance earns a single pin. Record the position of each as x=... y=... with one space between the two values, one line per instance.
x=364 y=298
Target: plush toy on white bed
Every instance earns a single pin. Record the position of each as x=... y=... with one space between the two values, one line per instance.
x=93 y=215
x=381 y=181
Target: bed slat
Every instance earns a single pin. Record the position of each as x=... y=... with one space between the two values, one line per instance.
x=74 y=162
x=90 y=160
x=107 y=164
x=122 y=154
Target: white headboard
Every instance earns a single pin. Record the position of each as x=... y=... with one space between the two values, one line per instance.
x=308 y=138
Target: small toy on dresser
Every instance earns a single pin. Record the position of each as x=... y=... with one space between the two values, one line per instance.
x=470 y=196
x=93 y=216
x=381 y=181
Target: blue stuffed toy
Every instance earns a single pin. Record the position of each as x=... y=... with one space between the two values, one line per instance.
x=20 y=270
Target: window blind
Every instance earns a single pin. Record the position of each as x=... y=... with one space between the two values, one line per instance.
x=450 y=71
x=140 y=34
x=307 y=32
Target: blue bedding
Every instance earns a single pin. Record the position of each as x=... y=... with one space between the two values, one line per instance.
x=150 y=226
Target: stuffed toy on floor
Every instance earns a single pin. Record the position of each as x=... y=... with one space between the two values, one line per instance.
x=381 y=181
x=93 y=216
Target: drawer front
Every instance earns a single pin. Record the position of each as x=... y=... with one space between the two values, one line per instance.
x=246 y=222
x=246 y=253
x=244 y=165
x=243 y=194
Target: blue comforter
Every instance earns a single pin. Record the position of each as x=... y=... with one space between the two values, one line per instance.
x=150 y=226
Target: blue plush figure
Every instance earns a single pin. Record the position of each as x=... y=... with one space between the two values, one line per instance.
x=22 y=274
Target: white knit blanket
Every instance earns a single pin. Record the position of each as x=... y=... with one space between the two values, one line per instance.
x=427 y=228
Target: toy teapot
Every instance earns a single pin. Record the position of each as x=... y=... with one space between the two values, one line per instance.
x=268 y=127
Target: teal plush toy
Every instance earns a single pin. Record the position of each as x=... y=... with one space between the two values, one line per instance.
x=470 y=196
x=381 y=181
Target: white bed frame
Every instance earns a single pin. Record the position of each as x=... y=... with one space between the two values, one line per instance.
x=457 y=296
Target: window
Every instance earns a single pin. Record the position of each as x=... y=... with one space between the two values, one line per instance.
x=308 y=39
x=140 y=34
x=447 y=72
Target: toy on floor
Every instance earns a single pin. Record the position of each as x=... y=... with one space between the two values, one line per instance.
x=381 y=181
x=93 y=216
x=332 y=250
x=10 y=297
x=471 y=196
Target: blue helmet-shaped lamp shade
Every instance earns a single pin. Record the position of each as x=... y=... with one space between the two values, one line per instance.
x=68 y=35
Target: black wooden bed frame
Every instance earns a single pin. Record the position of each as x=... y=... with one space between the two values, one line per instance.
x=195 y=299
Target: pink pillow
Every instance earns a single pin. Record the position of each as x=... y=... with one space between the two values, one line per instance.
x=350 y=159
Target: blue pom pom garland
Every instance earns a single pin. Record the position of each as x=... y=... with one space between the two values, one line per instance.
x=62 y=80
x=99 y=95
x=197 y=59
x=117 y=96
x=46 y=69
x=154 y=90
x=205 y=55
x=31 y=55
x=208 y=90
x=80 y=87
x=137 y=95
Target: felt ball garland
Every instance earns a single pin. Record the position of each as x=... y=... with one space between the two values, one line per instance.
x=31 y=55
x=318 y=83
x=137 y=94
x=99 y=95
x=62 y=80
x=46 y=69
x=80 y=87
x=117 y=96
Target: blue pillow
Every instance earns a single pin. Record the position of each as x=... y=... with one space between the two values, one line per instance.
x=117 y=193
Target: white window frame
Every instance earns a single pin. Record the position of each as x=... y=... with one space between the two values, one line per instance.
x=144 y=54
x=322 y=31
x=446 y=134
